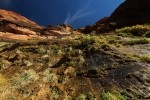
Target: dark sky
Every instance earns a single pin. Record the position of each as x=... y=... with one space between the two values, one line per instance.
x=76 y=13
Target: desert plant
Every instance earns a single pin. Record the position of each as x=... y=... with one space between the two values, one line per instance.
x=86 y=96
x=26 y=77
x=48 y=76
x=145 y=58
x=136 y=41
x=137 y=30
x=110 y=96
x=90 y=42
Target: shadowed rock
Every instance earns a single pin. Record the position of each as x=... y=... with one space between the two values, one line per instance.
x=130 y=12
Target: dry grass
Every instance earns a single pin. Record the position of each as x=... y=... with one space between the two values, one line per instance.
x=3 y=83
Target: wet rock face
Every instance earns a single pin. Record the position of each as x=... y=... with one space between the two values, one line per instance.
x=132 y=12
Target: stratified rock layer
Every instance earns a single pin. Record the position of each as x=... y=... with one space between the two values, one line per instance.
x=16 y=27
x=14 y=17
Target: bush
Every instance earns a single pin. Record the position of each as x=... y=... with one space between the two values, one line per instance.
x=26 y=77
x=145 y=58
x=147 y=34
x=137 y=30
x=111 y=96
x=136 y=41
x=90 y=42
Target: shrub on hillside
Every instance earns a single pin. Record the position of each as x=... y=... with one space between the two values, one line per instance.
x=137 y=30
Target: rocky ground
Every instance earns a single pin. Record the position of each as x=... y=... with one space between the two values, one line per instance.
x=84 y=67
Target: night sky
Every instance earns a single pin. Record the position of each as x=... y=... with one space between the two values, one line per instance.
x=77 y=13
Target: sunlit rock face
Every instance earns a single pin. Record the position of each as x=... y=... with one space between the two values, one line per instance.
x=16 y=27
x=59 y=30
x=132 y=12
x=13 y=26
x=15 y=18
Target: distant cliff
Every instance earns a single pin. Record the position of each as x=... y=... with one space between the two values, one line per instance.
x=132 y=12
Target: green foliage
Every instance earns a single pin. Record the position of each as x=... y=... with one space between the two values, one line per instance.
x=137 y=30
x=90 y=42
x=48 y=76
x=112 y=96
x=26 y=77
x=145 y=58
x=75 y=58
x=86 y=96
x=136 y=41
x=147 y=34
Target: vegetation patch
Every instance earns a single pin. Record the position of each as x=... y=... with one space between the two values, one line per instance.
x=55 y=68
x=145 y=58
x=136 y=41
x=113 y=96
x=3 y=82
x=137 y=30
x=26 y=77
x=89 y=42
x=86 y=96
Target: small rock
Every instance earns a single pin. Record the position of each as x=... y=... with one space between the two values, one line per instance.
x=28 y=63
x=70 y=71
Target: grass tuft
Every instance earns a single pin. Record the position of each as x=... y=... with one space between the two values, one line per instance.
x=111 y=96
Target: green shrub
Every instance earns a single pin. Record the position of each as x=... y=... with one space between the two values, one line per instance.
x=137 y=30
x=111 y=96
x=136 y=41
x=86 y=96
x=26 y=77
x=145 y=58
x=48 y=76
x=90 y=42
x=147 y=34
